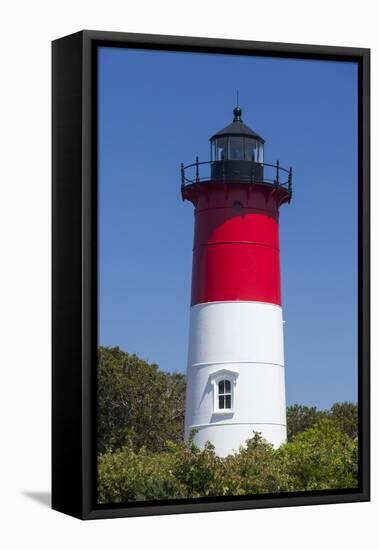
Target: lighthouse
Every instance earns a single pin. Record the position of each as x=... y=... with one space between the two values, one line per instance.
x=235 y=371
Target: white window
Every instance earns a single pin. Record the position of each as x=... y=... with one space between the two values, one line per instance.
x=224 y=394
x=224 y=391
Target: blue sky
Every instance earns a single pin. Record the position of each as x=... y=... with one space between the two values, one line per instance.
x=157 y=109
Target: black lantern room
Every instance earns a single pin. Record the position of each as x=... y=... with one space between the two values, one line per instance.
x=237 y=157
x=237 y=152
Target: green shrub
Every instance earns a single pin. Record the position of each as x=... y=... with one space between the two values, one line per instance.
x=126 y=475
x=345 y=417
x=319 y=458
x=138 y=404
x=142 y=455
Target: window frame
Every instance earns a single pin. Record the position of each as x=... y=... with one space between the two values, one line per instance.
x=225 y=394
x=216 y=378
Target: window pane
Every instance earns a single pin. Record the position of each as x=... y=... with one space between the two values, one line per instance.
x=222 y=149
x=221 y=387
x=251 y=150
x=221 y=404
x=260 y=152
x=228 y=402
x=236 y=148
x=227 y=386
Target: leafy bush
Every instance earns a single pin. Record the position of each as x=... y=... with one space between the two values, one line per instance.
x=126 y=475
x=343 y=415
x=300 y=418
x=138 y=404
x=142 y=455
x=321 y=457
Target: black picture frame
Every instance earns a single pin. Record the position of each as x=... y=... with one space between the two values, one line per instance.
x=74 y=271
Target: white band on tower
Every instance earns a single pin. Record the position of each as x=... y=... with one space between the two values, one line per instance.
x=241 y=342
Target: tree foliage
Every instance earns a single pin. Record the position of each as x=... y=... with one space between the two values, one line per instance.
x=343 y=415
x=300 y=418
x=320 y=458
x=142 y=455
x=138 y=405
x=345 y=418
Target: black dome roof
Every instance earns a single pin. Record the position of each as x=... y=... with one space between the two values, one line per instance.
x=238 y=128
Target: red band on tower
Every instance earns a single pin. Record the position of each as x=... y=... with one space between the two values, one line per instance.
x=236 y=245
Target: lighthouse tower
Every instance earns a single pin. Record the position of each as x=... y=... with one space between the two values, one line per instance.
x=235 y=373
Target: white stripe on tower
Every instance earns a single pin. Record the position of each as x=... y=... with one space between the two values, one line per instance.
x=241 y=341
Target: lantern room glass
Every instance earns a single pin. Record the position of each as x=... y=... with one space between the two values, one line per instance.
x=237 y=148
x=254 y=151
x=220 y=149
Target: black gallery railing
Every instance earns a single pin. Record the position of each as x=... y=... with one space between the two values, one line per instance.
x=247 y=172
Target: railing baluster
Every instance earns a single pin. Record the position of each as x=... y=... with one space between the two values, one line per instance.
x=251 y=178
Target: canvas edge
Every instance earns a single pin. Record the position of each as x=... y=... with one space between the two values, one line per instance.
x=81 y=504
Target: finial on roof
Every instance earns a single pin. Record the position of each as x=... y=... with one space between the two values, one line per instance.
x=237 y=112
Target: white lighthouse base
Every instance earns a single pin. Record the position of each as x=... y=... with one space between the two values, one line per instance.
x=241 y=342
x=229 y=437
